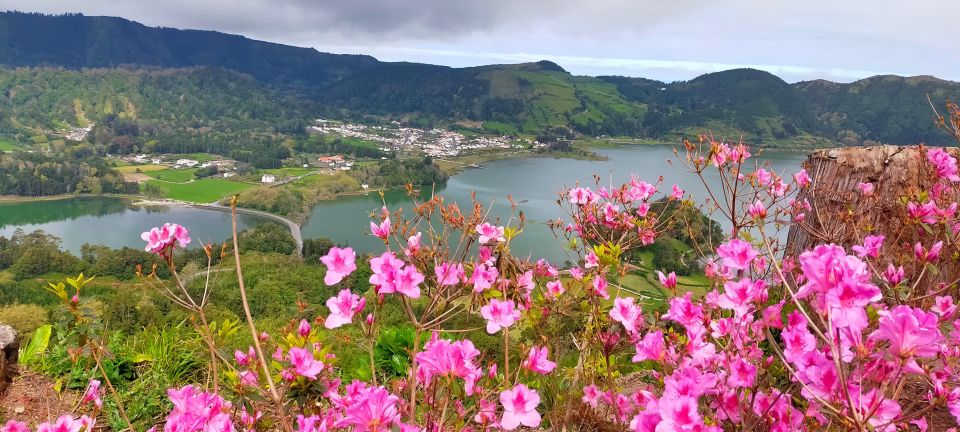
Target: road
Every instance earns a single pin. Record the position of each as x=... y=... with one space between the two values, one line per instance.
x=294 y=227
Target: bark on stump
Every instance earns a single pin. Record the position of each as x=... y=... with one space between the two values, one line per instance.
x=9 y=347
x=841 y=214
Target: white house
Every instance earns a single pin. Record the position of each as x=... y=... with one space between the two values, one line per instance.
x=187 y=162
x=268 y=178
x=229 y=174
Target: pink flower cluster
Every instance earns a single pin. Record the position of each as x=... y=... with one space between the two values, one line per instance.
x=159 y=240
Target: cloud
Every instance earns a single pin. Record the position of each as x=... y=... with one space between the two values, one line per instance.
x=664 y=39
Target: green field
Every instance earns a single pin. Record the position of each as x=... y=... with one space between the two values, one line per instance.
x=8 y=145
x=173 y=175
x=357 y=142
x=200 y=191
x=288 y=171
x=143 y=168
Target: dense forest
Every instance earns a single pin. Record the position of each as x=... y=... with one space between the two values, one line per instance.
x=32 y=174
x=190 y=91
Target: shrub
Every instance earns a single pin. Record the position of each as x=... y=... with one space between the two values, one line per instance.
x=24 y=318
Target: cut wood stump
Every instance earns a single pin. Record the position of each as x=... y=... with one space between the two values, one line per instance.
x=9 y=347
x=841 y=214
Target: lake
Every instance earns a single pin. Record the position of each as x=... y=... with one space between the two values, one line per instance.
x=114 y=222
x=533 y=182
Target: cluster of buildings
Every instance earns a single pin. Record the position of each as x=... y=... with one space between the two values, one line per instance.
x=396 y=138
x=335 y=162
x=78 y=133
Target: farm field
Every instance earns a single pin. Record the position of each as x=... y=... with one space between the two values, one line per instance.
x=200 y=191
x=288 y=172
x=8 y=145
x=173 y=175
x=128 y=169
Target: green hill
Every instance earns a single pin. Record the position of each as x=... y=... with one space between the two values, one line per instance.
x=196 y=90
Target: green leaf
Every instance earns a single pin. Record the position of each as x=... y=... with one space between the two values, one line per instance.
x=37 y=346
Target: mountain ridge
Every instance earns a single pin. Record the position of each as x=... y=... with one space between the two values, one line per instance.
x=527 y=98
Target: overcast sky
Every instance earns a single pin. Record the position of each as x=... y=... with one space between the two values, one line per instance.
x=840 y=40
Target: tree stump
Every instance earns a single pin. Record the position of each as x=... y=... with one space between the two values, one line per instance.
x=842 y=215
x=9 y=347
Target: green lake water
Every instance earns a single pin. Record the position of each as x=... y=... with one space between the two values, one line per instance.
x=114 y=222
x=532 y=182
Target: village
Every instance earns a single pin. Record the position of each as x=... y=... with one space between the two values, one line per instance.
x=436 y=142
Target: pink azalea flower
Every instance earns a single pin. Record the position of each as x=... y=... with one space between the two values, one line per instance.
x=737 y=254
x=884 y=410
x=871 y=246
x=442 y=357
x=342 y=308
x=159 y=239
x=677 y=193
x=486 y=413
x=802 y=178
x=866 y=189
x=600 y=287
x=641 y=190
x=483 y=277
x=248 y=379
x=448 y=274
x=651 y=347
x=64 y=423
x=592 y=260
x=304 y=328
x=582 y=196
x=413 y=244
x=499 y=314
x=738 y=296
x=682 y=310
x=340 y=263
x=778 y=188
x=679 y=413
x=841 y=281
x=311 y=424
x=382 y=230
x=757 y=210
x=576 y=273
x=537 y=361
x=525 y=281
x=763 y=177
x=490 y=233
x=372 y=409
x=742 y=373
x=408 y=282
x=591 y=395
x=390 y=276
x=927 y=212
x=626 y=313
x=946 y=165
x=93 y=394
x=943 y=306
x=244 y=359
x=893 y=275
x=197 y=411
x=554 y=289
x=930 y=255
x=14 y=426
x=912 y=333
x=519 y=407
x=669 y=281
x=304 y=363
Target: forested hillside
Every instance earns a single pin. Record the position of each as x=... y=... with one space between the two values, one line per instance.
x=76 y=41
x=188 y=90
